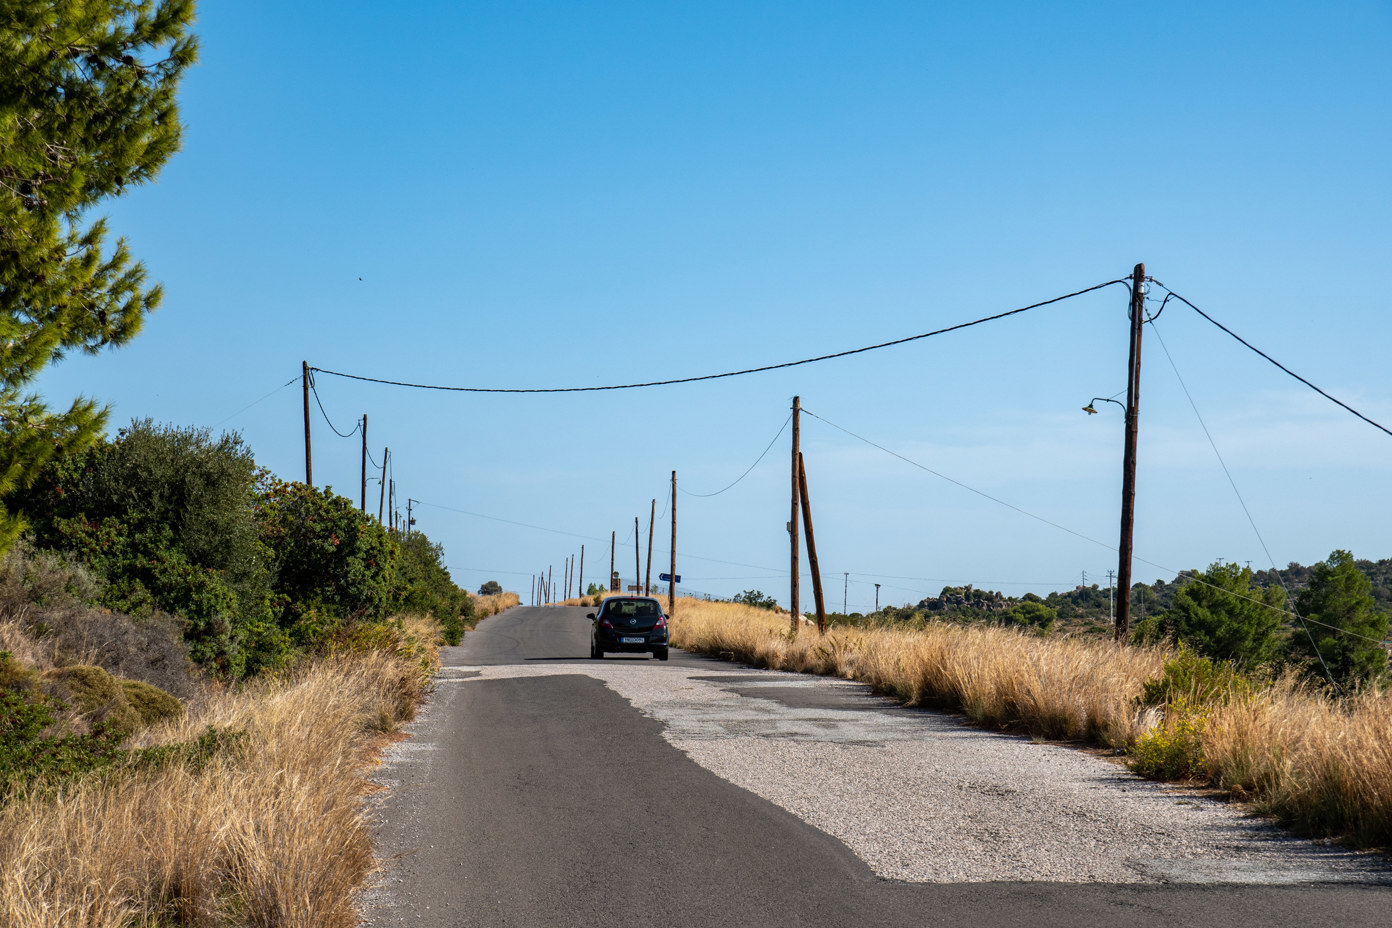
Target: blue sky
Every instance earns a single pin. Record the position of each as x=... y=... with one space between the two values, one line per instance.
x=567 y=194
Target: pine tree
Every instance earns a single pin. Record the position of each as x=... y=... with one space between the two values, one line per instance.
x=87 y=110
x=1220 y=614
x=1342 y=618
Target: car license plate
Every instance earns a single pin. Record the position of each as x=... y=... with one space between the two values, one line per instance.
x=633 y=640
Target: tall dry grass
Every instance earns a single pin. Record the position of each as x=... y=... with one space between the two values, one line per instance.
x=270 y=832
x=494 y=603
x=1320 y=764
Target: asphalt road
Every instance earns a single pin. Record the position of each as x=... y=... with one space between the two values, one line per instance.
x=550 y=800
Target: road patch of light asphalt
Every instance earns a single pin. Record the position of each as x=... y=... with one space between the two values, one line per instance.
x=922 y=797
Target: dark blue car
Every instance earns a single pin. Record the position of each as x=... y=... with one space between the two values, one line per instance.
x=629 y=623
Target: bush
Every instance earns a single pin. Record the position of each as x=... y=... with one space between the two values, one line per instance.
x=757 y=599
x=331 y=562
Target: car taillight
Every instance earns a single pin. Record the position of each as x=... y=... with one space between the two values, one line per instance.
x=661 y=622
x=604 y=622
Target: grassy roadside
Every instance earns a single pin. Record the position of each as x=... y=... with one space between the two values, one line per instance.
x=261 y=825
x=1319 y=764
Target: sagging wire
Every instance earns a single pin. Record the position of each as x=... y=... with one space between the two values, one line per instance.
x=748 y=470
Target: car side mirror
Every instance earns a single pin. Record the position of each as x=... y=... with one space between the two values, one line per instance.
x=589 y=615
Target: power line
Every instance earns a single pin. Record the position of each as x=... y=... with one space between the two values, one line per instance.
x=981 y=493
x=751 y=467
x=1253 y=348
x=739 y=373
x=315 y=390
x=255 y=402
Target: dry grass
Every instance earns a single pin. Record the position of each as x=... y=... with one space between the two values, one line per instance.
x=1321 y=765
x=271 y=832
x=484 y=606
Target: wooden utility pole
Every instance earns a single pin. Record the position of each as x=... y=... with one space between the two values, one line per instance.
x=877 y=597
x=811 y=547
x=391 y=504
x=647 y=575
x=532 y=601
x=793 y=519
x=672 y=583
x=1128 y=464
x=613 y=539
x=580 y=584
x=548 y=585
x=364 y=464
x=308 y=455
x=382 y=497
x=637 y=552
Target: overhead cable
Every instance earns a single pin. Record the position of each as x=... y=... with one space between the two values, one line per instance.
x=739 y=373
x=751 y=467
x=1253 y=348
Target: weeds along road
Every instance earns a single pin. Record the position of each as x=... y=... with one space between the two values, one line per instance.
x=542 y=788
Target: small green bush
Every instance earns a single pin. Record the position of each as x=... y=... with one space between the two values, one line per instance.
x=95 y=695
x=150 y=702
x=1173 y=750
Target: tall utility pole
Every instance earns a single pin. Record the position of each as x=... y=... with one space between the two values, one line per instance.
x=548 y=585
x=382 y=497
x=391 y=505
x=811 y=546
x=637 y=553
x=672 y=584
x=532 y=601
x=647 y=575
x=845 y=589
x=580 y=583
x=794 y=611
x=613 y=540
x=410 y=519
x=1111 y=595
x=877 y=597
x=308 y=455
x=364 y=465
x=1128 y=464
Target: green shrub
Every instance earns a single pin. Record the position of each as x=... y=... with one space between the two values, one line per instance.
x=1172 y=750
x=94 y=695
x=151 y=703
x=29 y=761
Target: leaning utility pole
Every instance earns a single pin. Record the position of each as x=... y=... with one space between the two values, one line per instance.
x=811 y=546
x=308 y=456
x=793 y=519
x=647 y=575
x=1128 y=464
x=672 y=583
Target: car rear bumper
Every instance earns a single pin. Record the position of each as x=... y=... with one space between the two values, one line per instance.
x=632 y=641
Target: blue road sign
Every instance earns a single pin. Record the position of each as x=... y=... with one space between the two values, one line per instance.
x=667 y=578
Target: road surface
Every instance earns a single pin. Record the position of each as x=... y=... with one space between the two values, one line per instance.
x=542 y=788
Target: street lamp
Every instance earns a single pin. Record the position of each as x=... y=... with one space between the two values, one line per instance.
x=1092 y=411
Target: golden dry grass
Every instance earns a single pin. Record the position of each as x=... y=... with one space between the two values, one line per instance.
x=484 y=606
x=270 y=833
x=1322 y=765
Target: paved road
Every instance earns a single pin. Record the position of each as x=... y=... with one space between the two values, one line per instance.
x=533 y=794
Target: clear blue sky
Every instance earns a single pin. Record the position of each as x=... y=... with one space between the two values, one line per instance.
x=570 y=194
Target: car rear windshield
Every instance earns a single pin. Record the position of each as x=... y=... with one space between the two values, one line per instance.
x=632 y=608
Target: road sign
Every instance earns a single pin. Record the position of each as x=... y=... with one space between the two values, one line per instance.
x=667 y=578
x=636 y=588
